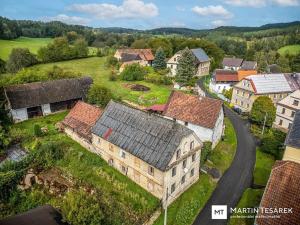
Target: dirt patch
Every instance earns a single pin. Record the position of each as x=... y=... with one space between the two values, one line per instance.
x=136 y=87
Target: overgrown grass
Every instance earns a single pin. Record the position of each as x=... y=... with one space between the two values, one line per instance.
x=251 y=198
x=289 y=49
x=89 y=169
x=95 y=67
x=224 y=152
x=33 y=44
x=184 y=210
x=263 y=167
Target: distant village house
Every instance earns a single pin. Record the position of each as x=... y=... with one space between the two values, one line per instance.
x=202 y=62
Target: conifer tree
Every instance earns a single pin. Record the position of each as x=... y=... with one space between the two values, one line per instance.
x=159 y=62
x=186 y=68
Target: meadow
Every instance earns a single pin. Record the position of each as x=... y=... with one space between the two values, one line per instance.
x=33 y=44
x=289 y=49
x=95 y=68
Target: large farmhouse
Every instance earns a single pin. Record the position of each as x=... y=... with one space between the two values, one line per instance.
x=201 y=58
x=25 y=101
x=159 y=154
x=201 y=114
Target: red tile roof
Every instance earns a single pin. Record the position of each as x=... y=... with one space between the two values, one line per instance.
x=282 y=191
x=82 y=117
x=194 y=109
x=145 y=54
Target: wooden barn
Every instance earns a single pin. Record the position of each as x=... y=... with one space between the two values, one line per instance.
x=24 y=101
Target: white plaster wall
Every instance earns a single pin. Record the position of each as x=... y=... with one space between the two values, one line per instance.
x=46 y=109
x=218 y=130
x=19 y=115
x=219 y=87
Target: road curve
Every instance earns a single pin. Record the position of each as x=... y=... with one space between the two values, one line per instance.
x=237 y=177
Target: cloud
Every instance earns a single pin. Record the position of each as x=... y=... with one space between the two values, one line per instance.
x=68 y=19
x=262 y=3
x=211 y=10
x=218 y=23
x=180 y=8
x=128 y=9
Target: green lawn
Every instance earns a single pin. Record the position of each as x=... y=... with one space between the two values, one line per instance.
x=33 y=44
x=95 y=68
x=184 y=210
x=263 y=167
x=89 y=169
x=251 y=198
x=289 y=49
x=224 y=152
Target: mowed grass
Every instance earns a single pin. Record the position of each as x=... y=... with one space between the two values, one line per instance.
x=251 y=198
x=224 y=152
x=33 y=44
x=289 y=49
x=95 y=67
x=263 y=167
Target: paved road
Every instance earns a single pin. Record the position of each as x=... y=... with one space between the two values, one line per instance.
x=237 y=178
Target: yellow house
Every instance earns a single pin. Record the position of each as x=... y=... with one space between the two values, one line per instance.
x=158 y=154
x=292 y=142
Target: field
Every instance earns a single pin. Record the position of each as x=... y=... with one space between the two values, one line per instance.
x=33 y=44
x=289 y=49
x=95 y=67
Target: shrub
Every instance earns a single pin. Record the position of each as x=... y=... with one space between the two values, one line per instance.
x=133 y=72
x=263 y=106
x=17 y=135
x=37 y=131
x=111 y=61
x=272 y=143
x=205 y=152
x=228 y=93
x=20 y=58
x=99 y=95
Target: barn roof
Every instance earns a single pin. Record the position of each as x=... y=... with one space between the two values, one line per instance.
x=201 y=111
x=200 y=54
x=39 y=93
x=82 y=117
x=145 y=54
x=127 y=57
x=147 y=136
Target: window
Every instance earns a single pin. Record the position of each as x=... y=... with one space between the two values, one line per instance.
x=178 y=153
x=186 y=123
x=111 y=162
x=242 y=103
x=192 y=145
x=183 y=179
x=98 y=141
x=237 y=92
x=296 y=102
x=124 y=169
x=137 y=162
x=194 y=157
x=280 y=122
x=174 y=171
x=175 y=59
x=174 y=119
x=122 y=154
x=283 y=111
x=192 y=172
x=243 y=93
x=173 y=188
x=111 y=147
x=290 y=124
x=236 y=101
x=293 y=114
x=184 y=164
x=151 y=170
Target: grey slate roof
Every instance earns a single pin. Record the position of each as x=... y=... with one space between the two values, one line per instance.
x=293 y=137
x=149 y=137
x=232 y=62
x=127 y=57
x=249 y=65
x=200 y=54
x=38 y=93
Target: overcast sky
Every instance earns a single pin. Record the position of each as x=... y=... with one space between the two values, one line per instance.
x=147 y=14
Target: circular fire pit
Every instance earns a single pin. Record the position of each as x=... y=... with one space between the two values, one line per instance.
x=139 y=87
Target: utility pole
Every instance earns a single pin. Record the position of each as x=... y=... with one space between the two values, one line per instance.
x=264 y=123
x=166 y=208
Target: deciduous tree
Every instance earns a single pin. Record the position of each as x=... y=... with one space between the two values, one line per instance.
x=20 y=58
x=262 y=108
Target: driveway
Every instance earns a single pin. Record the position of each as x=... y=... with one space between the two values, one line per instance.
x=237 y=178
